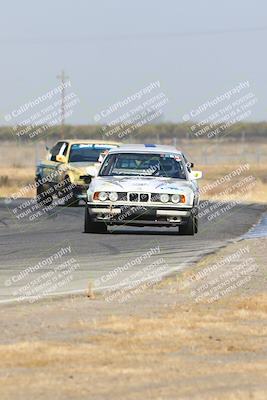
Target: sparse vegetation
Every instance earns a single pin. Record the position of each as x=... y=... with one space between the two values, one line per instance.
x=246 y=130
x=189 y=350
x=17 y=165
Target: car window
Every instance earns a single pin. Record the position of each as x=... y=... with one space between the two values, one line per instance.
x=144 y=164
x=64 y=149
x=55 y=151
x=87 y=152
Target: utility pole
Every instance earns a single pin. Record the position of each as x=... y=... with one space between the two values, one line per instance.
x=62 y=78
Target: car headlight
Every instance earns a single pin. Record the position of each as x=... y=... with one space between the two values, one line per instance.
x=113 y=196
x=175 y=198
x=103 y=196
x=164 y=198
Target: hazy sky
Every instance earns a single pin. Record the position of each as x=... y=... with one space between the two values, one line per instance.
x=197 y=49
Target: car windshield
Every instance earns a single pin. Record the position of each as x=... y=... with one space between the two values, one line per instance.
x=87 y=152
x=144 y=164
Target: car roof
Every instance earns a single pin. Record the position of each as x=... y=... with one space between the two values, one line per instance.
x=145 y=148
x=86 y=141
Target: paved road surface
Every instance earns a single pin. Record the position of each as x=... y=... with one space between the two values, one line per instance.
x=29 y=249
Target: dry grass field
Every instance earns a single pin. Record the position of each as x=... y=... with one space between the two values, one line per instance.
x=178 y=349
x=17 y=168
x=186 y=350
x=253 y=187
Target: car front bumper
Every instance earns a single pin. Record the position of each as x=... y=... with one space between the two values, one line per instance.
x=121 y=214
x=80 y=192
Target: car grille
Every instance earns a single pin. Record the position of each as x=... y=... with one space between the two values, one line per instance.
x=155 y=197
x=139 y=197
x=144 y=197
x=122 y=196
x=133 y=197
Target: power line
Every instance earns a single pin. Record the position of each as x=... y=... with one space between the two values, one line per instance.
x=131 y=36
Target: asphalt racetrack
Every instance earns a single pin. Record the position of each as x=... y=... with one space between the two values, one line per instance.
x=29 y=249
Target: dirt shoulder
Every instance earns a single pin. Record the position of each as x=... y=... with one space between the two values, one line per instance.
x=199 y=335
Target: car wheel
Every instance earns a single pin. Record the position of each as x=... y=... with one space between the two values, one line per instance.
x=93 y=227
x=196 y=224
x=190 y=228
x=69 y=197
x=42 y=197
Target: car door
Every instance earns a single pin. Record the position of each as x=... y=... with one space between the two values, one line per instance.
x=50 y=167
x=61 y=167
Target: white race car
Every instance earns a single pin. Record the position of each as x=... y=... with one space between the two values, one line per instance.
x=143 y=185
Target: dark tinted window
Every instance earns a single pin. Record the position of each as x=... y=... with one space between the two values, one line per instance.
x=55 y=150
x=144 y=164
x=86 y=152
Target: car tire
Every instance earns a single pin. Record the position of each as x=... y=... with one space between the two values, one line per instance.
x=196 y=224
x=93 y=227
x=190 y=228
x=71 y=200
x=42 y=198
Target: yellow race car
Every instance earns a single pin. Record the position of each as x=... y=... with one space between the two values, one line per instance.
x=64 y=173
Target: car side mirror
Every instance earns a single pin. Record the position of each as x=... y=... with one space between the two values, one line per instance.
x=60 y=158
x=92 y=171
x=87 y=179
x=195 y=175
x=189 y=165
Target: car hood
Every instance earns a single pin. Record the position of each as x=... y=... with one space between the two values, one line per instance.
x=144 y=184
x=80 y=167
